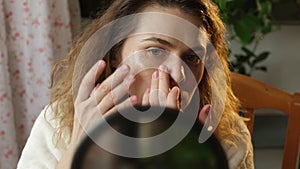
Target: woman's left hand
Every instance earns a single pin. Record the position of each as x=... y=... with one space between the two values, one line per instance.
x=159 y=93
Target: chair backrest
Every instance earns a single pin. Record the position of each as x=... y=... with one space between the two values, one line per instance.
x=255 y=94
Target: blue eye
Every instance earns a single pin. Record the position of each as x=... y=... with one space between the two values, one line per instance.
x=156 y=52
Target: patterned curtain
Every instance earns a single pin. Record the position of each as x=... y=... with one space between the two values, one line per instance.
x=33 y=35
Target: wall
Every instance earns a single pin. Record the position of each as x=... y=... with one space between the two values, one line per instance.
x=284 y=61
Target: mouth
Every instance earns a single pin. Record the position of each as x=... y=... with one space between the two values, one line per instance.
x=172 y=83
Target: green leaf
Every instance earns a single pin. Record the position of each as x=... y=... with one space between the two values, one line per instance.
x=260 y=58
x=246 y=28
x=262 y=68
x=242 y=58
x=247 y=51
x=243 y=32
x=267 y=28
x=238 y=56
x=236 y=4
x=242 y=70
x=221 y=4
x=266 y=7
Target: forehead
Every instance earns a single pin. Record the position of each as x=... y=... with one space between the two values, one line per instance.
x=171 y=22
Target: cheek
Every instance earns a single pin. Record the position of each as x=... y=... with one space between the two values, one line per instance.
x=199 y=76
x=193 y=80
x=198 y=73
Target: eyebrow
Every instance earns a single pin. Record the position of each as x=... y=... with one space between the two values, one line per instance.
x=197 y=49
x=159 y=40
x=168 y=44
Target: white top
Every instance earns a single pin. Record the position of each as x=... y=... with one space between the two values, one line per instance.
x=40 y=153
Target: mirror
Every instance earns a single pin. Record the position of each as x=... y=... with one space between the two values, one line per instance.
x=188 y=153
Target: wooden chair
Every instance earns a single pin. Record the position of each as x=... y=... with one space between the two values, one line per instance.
x=255 y=94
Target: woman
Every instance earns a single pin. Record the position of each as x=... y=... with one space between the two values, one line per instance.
x=57 y=132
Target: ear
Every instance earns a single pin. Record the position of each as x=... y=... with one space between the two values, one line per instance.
x=204 y=113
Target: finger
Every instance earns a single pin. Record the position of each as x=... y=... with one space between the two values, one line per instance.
x=173 y=98
x=163 y=84
x=111 y=82
x=118 y=93
x=130 y=102
x=204 y=112
x=88 y=81
x=114 y=97
x=145 y=100
x=153 y=98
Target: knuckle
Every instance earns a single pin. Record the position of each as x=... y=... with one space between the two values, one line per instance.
x=109 y=100
x=103 y=88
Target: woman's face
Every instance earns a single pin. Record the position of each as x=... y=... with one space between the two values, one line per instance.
x=144 y=53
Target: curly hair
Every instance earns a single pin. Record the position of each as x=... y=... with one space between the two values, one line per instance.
x=64 y=73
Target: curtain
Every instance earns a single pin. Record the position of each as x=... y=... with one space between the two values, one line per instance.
x=34 y=34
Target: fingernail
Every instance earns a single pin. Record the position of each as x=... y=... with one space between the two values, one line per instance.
x=163 y=68
x=130 y=79
x=155 y=75
x=100 y=62
x=175 y=89
x=124 y=68
x=133 y=99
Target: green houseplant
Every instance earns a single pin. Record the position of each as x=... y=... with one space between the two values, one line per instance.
x=248 y=22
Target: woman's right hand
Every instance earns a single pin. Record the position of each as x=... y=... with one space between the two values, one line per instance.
x=93 y=102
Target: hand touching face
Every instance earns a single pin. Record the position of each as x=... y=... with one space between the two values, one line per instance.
x=164 y=69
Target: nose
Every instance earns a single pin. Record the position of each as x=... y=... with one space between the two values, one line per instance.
x=176 y=69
